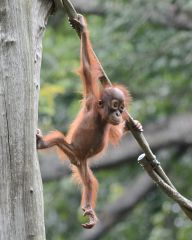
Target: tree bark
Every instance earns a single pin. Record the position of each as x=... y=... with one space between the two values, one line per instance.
x=21 y=198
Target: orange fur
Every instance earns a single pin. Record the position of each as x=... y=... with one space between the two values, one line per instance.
x=95 y=185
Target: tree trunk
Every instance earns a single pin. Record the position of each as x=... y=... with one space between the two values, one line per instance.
x=21 y=198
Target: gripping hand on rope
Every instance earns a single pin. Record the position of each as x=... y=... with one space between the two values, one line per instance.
x=78 y=24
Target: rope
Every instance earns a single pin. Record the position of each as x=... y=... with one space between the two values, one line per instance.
x=147 y=160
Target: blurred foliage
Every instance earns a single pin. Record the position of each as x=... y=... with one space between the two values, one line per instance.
x=154 y=61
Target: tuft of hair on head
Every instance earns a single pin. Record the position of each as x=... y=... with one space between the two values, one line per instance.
x=126 y=93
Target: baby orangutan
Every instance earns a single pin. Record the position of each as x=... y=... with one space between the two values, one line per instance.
x=100 y=121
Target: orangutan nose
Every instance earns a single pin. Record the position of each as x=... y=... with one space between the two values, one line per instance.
x=118 y=114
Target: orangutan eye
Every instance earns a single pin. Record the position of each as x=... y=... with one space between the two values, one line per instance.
x=114 y=104
x=122 y=107
x=100 y=103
